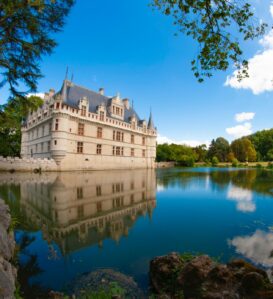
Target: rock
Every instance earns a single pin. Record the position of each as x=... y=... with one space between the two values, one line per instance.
x=252 y=281
x=163 y=271
x=7 y=245
x=195 y=271
x=203 y=278
x=106 y=279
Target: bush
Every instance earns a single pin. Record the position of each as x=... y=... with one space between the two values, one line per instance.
x=235 y=162
x=258 y=165
x=214 y=161
x=186 y=160
x=270 y=165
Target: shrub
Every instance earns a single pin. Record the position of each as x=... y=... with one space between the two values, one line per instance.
x=270 y=165
x=235 y=162
x=214 y=161
x=186 y=160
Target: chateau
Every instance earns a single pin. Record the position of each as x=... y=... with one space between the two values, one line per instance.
x=83 y=130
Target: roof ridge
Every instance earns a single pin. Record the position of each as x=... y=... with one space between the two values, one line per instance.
x=89 y=90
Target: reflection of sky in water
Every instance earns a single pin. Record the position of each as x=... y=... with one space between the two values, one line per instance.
x=243 y=197
x=257 y=247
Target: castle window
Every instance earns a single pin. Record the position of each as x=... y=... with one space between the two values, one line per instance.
x=98 y=190
x=132 y=152
x=80 y=211
x=48 y=146
x=56 y=125
x=101 y=115
x=80 y=147
x=143 y=140
x=55 y=142
x=79 y=193
x=122 y=136
x=118 y=136
x=114 y=150
x=117 y=111
x=143 y=153
x=118 y=150
x=132 y=199
x=121 y=151
x=43 y=130
x=83 y=112
x=99 y=207
x=81 y=129
x=57 y=105
x=99 y=132
x=114 y=135
x=99 y=149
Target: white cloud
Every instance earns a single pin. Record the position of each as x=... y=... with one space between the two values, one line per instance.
x=193 y=143
x=243 y=198
x=240 y=130
x=271 y=10
x=257 y=247
x=240 y=117
x=38 y=94
x=260 y=68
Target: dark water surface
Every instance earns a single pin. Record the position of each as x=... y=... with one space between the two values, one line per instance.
x=74 y=223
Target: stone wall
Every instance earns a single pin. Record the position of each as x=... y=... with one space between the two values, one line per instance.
x=164 y=164
x=7 y=245
x=24 y=164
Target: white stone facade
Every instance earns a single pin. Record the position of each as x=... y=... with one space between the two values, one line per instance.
x=84 y=130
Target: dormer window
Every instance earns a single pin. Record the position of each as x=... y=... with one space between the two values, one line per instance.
x=101 y=116
x=83 y=113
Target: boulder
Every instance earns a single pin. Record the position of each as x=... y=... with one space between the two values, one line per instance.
x=163 y=271
x=203 y=278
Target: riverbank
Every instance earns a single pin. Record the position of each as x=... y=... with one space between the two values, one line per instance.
x=7 y=247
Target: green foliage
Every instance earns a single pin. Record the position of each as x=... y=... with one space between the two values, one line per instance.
x=214 y=161
x=187 y=256
x=114 y=291
x=263 y=143
x=182 y=154
x=201 y=153
x=25 y=36
x=211 y=24
x=244 y=150
x=11 y=116
x=185 y=160
x=219 y=148
x=235 y=162
x=270 y=165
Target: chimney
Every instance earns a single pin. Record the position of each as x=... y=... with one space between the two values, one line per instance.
x=101 y=91
x=126 y=103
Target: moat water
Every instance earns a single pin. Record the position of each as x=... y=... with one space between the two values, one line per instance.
x=74 y=223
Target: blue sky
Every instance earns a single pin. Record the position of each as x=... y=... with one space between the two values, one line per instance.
x=126 y=47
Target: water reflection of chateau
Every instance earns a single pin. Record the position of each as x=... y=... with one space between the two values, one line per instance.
x=80 y=209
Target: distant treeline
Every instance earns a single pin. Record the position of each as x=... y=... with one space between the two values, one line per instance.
x=252 y=148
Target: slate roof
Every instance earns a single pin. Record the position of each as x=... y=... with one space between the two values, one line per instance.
x=151 y=122
x=72 y=93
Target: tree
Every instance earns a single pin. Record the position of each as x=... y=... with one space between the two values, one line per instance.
x=25 y=36
x=11 y=116
x=201 y=152
x=244 y=150
x=219 y=148
x=211 y=23
x=214 y=161
x=263 y=143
